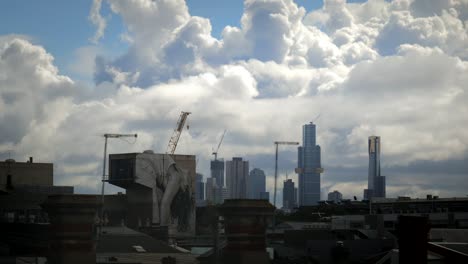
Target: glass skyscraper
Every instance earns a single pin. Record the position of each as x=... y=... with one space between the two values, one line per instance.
x=309 y=167
x=255 y=183
x=217 y=171
x=375 y=182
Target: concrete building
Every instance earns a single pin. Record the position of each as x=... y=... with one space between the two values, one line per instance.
x=255 y=183
x=199 y=188
x=13 y=173
x=309 y=167
x=153 y=183
x=376 y=182
x=237 y=172
x=335 y=196
x=289 y=195
x=24 y=186
x=217 y=171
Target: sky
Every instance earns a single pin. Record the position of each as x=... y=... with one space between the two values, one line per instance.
x=71 y=71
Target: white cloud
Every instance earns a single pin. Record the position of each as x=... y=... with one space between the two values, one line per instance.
x=97 y=20
x=373 y=68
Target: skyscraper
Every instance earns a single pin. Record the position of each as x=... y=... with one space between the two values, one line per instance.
x=199 y=188
x=255 y=183
x=264 y=196
x=211 y=188
x=375 y=182
x=309 y=167
x=289 y=194
x=335 y=196
x=217 y=171
x=236 y=178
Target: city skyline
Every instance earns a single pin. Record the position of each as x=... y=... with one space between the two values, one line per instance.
x=71 y=72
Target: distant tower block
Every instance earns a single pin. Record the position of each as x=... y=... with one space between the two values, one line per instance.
x=376 y=182
x=309 y=167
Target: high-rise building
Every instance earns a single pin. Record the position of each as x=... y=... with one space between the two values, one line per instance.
x=309 y=167
x=217 y=171
x=236 y=178
x=221 y=195
x=264 y=196
x=255 y=183
x=335 y=196
x=289 y=194
x=199 y=188
x=376 y=182
x=211 y=187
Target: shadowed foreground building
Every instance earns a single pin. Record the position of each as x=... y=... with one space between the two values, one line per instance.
x=245 y=223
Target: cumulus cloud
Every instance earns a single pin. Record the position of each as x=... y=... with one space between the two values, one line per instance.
x=97 y=20
x=395 y=69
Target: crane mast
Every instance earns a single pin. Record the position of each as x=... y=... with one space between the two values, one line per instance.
x=171 y=147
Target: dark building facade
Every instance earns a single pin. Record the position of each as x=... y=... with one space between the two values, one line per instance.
x=217 y=171
x=289 y=195
x=199 y=188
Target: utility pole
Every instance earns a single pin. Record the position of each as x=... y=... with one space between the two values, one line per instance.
x=106 y=136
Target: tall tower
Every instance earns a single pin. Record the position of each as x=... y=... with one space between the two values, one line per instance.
x=255 y=183
x=217 y=171
x=309 y=167
x=237 y=171
x=375 y=182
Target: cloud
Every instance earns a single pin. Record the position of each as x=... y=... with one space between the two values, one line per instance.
x=97 y=20
x=385 y=68
x=28 y=81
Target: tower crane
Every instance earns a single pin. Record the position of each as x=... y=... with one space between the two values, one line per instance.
x=171 y=147
x=215 y=153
